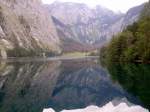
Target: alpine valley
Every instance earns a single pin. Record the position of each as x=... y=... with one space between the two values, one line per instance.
x=30 y=28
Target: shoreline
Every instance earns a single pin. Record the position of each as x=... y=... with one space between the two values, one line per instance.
x=32 y=59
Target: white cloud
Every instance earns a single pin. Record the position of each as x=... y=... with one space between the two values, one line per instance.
x=115 y=5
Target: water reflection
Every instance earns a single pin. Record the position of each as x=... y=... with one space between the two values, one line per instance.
x=32 y=86
x=27 y=87
x=135 y=78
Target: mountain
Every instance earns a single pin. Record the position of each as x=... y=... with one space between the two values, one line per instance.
x=132 y=43
x=88 y=28
x=129 y=18
x=26 y=29
x=82 y=24
x=146 y=11
x=132 y=15
x=29 y=28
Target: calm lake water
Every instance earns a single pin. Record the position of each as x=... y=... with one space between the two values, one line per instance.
x=69 y=84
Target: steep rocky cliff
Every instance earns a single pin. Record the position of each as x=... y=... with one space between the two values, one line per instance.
x=132 y=15
x=129 y=18
x=26 y=29
x=146 y=11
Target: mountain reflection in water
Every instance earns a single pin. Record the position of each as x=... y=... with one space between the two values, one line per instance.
x=68 y=84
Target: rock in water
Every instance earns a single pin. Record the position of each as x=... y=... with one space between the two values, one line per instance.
x=48 y=110
x=122 y=107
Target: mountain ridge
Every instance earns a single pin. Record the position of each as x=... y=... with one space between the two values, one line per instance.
x=92 y=27
x=29 y=28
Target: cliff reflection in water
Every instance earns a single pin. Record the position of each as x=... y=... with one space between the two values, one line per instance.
x=33 y=86
x=27 y=87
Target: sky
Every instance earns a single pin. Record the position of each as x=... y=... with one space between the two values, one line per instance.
x=115 y=5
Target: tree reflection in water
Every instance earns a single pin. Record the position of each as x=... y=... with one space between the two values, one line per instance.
x=135 y=78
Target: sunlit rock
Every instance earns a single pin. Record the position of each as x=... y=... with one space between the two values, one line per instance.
x=3 y=54
x=122 y=107
x=48 y=110
x=28 y=27
x=87 y=109
x=5 y=45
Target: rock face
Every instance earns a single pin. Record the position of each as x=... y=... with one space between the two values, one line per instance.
x=129 y=18
x=27 y=28
x=91 y=27
x=132 y=15
x=146 y=11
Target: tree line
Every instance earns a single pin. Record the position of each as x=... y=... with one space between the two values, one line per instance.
x=132 y=44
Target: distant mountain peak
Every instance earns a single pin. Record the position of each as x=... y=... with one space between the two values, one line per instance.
x=93 y=26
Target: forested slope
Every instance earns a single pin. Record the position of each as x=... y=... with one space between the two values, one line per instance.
x=133 y=43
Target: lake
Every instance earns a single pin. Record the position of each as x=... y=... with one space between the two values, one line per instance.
x=32 y=85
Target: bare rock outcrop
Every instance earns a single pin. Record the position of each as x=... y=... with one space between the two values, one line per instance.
x=28 y=27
